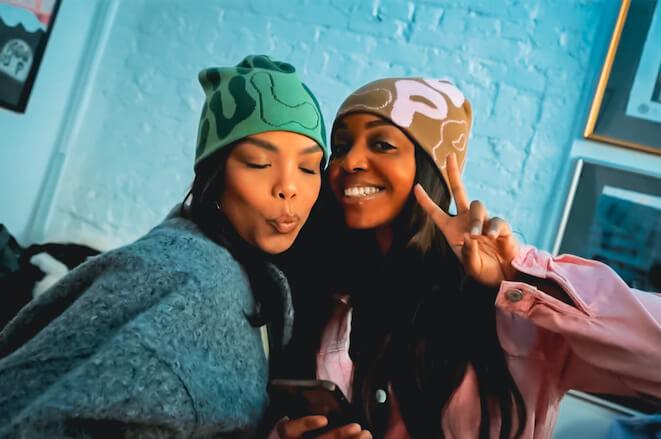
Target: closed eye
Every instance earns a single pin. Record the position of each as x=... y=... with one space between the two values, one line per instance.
x=308 y=171
x=257 y=165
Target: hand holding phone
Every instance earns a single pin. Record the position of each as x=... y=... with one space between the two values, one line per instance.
x=312 y=426
x=303 y=399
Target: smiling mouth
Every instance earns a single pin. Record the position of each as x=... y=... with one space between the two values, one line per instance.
x=362 y=191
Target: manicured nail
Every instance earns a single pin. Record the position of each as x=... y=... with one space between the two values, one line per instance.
x=475 y=230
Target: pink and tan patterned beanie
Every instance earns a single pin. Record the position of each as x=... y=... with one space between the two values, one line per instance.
x=433 y=112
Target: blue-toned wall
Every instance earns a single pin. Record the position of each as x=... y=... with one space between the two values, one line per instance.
x=30 y=143
x=105 y=148
x=528 y=68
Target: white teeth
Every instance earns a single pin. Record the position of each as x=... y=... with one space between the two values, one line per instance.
x=360 y=191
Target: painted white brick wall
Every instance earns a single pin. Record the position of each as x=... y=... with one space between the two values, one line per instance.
x=528 y=67
x=523 y=64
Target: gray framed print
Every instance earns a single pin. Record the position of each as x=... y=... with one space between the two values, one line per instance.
x=613 y=216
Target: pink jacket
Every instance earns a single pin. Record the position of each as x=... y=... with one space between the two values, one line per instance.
x=609 y=342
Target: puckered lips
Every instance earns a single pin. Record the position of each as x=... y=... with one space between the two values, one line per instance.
x=285 y=223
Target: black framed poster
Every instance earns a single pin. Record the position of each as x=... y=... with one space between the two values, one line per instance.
x=25 y=26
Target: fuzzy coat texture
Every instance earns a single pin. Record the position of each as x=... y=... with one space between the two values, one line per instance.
x=148 y=340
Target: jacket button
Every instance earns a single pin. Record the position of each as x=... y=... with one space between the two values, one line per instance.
x=514 y=295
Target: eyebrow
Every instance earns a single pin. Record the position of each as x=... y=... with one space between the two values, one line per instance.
x=311 y=149
x=368 y=125
x=376 y=123
x=271 y=147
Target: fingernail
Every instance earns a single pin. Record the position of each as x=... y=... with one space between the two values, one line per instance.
x=493 y=233
x=475 y=230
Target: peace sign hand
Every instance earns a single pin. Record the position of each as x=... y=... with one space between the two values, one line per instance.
x=485 y=246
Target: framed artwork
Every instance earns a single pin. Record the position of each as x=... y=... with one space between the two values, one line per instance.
x=614 y=216
x=626 y=109
x=25 y=26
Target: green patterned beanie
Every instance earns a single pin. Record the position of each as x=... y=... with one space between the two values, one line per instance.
x=257 y=95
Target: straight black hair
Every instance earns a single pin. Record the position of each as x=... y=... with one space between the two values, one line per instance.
x=419 y=322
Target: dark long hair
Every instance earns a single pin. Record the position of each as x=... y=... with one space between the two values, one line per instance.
x=418 y=323
x=205 y=212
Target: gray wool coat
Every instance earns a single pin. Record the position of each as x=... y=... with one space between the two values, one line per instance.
x=148 y=340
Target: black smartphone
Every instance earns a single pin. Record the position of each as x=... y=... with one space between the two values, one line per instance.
x=298 y=398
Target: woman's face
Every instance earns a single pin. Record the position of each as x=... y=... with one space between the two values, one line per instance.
x=372 y=170
x=272 y=179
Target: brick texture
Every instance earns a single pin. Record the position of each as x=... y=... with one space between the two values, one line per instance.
x=522 y=64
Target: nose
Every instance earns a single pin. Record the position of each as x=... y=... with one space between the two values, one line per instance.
x=285 y=188
x=355 y=159
x=287 y=192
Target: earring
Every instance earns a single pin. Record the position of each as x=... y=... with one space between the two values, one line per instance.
x=218 y=207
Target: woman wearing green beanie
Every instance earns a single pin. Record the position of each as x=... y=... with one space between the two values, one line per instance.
x=170 y=336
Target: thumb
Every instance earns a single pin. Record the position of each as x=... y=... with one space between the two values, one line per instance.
x=508 y=249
